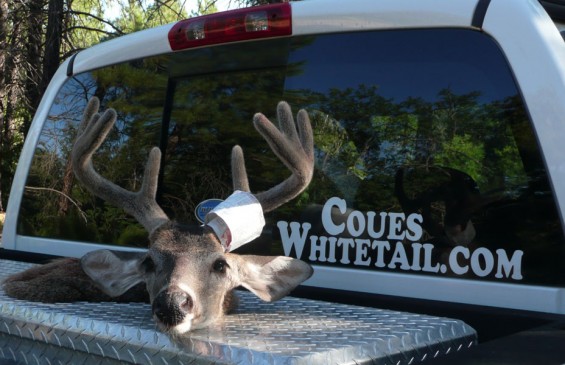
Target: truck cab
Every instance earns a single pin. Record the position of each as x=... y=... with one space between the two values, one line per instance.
x=439 y=185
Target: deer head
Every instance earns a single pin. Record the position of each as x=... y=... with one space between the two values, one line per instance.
x=188 y=274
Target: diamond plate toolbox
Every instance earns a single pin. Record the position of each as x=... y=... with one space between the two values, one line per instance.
x=289 y=331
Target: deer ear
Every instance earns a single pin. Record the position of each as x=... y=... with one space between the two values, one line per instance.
x=272 y=277
x=114 y=272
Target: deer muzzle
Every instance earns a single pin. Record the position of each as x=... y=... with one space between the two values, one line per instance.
x=172 y=307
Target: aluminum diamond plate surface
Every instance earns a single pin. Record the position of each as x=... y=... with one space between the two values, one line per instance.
x=289 y=331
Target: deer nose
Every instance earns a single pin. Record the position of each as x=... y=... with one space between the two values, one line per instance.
x=171 y=307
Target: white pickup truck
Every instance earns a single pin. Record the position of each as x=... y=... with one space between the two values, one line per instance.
x=439 y=131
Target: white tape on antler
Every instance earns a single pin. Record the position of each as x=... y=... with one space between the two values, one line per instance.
x=237 y=220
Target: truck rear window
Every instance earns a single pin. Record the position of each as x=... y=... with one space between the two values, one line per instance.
x=426 y=161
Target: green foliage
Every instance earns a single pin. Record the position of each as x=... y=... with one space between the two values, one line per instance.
x=139 y=15
x=86 y=27
x=133 y=236
x=464 y=153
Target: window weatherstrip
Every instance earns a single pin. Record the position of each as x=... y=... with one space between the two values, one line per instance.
x=480 y=13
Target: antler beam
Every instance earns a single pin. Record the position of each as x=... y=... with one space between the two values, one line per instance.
x=293 y=143
x=142 y=204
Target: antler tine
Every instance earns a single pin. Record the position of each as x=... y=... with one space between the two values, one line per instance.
x=294 y=146
x=238 y=171
x=142 y=204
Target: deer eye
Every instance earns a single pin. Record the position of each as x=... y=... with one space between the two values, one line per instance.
x=148 y=265
x=220 y=266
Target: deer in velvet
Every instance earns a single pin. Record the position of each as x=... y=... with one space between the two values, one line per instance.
x=186 y=273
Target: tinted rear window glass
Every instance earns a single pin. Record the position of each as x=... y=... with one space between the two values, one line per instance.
x=426 y=161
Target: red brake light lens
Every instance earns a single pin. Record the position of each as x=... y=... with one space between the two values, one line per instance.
x=232 y=26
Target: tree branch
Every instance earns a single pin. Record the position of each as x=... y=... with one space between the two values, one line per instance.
x=81 y=212
x=78 y=12
x=90 y=29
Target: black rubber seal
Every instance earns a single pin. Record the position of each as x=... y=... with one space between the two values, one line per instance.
x=480 y=13
x=70 y=71
x=555 y=9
